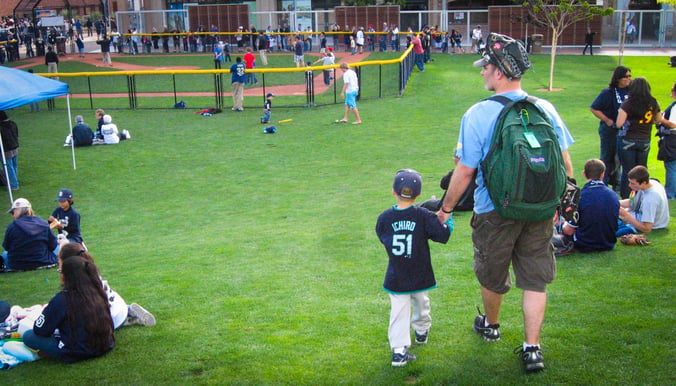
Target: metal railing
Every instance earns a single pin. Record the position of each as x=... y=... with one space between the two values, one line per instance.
x=293 y=87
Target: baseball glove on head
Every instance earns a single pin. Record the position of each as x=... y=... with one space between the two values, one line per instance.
x=634 y=239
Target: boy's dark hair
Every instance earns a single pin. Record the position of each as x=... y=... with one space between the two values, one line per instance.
x=594 y=168
x=238 y=59
x=640 y=174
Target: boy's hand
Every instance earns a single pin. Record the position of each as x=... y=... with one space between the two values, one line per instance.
x=449 y=222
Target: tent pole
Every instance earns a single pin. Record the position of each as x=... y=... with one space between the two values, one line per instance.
x=72 y=140
x=4 y=166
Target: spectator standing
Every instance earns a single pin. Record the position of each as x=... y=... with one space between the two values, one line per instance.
x=588 y=42
x=477 y=38
x=9 y=132
x=250 y=64
x=327 y=60
x=605 y=108
x=667 y=146
x=500 y=242
x=238 y=72
x=298 y=57
x=218 y=56
x=636 y=118
x=263 y=47
x=360 y=40
x=418 y=52
x=105 y=51
x=52 y=61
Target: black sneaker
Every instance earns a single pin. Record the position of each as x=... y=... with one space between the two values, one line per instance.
x=532 y=357
x=421 y=338
x=399 y=360
x=490 y=333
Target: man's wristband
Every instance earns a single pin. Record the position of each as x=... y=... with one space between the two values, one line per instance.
x=445 y=211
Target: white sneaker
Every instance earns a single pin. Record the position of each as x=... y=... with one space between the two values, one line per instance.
x=139 y=315
x=126 y=133
x=20 y=351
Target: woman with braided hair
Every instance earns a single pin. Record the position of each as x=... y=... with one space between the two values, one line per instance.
x=79 y=311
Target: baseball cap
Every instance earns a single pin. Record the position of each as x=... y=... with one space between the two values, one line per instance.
x=64 y=195
x=506 y=53
x=19 y=203
x=330 y=49
x=270 y=95
x=407 y=183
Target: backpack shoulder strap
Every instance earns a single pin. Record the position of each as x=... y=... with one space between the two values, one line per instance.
x=499 y=98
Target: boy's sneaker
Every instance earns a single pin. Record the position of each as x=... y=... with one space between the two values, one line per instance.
x=532 y=357
x=421 y=338
x=490 y=333
x=399 y=360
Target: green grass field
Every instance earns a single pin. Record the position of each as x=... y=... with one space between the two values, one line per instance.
x=258 y=256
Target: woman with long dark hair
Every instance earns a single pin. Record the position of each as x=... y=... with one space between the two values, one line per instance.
x=80 y=312
x=605 y=108
x=636 y=118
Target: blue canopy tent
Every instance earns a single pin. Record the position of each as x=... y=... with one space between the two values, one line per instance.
x=17 y=88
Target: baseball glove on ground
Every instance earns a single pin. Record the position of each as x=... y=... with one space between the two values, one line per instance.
x=634 y=239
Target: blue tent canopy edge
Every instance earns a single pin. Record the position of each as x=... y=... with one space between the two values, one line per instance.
x=18 y=87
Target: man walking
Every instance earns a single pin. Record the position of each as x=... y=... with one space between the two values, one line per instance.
x=499 y=241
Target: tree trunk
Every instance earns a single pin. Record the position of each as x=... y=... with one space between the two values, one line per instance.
x=552 y=59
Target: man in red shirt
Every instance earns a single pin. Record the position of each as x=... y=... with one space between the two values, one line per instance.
x=419 y=52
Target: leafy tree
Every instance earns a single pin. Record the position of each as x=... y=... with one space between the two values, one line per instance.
x=672 y=2
x=558 y=15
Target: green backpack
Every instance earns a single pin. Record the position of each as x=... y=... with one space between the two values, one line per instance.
x=524 y=171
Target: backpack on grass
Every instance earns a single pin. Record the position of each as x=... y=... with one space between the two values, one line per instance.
x=524 y=171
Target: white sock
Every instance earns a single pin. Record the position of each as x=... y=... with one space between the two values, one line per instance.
x=526 y=345
x=400 y=350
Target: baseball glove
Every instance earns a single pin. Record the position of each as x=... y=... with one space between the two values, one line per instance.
x=634 y=239
x=569 y=202
x=54 y=224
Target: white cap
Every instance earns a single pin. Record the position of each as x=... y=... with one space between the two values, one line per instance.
x=19 y=203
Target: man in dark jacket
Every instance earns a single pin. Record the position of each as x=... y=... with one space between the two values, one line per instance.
x=82 y=133
x=29 y=243
x=9 y=132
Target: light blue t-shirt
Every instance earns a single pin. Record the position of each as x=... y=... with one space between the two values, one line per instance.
x=476 y=131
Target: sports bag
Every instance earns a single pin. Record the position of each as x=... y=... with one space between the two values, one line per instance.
x=524 y=171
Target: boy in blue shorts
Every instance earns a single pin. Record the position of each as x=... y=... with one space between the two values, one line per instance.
x=404 y=230
x=349 y=92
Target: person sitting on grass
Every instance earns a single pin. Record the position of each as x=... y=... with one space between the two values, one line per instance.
x=110 y=133
x=29 y=243
x=647 y=207
x=82 y=133
x=598 y=214
x=404 y=231
x=76 y=323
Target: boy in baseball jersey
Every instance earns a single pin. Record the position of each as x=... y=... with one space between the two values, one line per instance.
x=404 y=230
x=267 y=108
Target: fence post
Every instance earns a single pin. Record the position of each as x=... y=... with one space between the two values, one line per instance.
x=131 y=89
